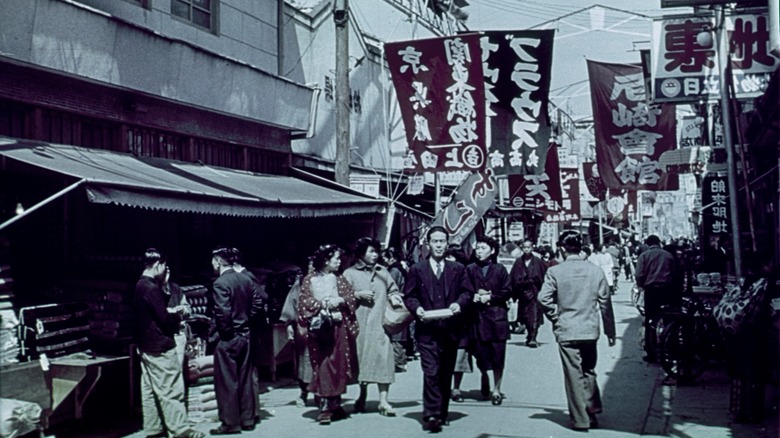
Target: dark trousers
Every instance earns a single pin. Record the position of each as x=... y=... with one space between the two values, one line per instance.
x=437 y=357
x=655 y=297
x=579 y=376
x=233 y=383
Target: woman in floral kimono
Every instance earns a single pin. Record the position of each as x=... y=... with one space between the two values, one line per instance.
x=327 y=310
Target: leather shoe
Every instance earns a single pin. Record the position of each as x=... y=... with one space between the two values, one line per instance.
x=433 y=425
x=222 y=430
x=456 y=396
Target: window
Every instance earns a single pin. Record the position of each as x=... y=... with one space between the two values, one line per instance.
x=199 y=12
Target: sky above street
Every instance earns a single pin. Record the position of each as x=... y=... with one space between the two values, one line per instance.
x=613 y=33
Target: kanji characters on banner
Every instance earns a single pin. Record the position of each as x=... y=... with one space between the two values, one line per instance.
x=715 y=215
x=441 y=95
x=517 y=66
x=541 y=192
x=630 y=134
x=569 y=208
x=470 y=201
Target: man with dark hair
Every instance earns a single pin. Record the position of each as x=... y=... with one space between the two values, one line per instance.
x=572 y=296
x=258 y=321
x=232 y=300
x=527 y=275
x=436 y=292
x=655 y=273
x=162 y=383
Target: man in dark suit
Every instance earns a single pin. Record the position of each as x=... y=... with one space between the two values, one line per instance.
x=435 y=292
x=233 y=294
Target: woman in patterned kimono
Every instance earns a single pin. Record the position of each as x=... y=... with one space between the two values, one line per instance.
x=375 y=289
x=327 y=310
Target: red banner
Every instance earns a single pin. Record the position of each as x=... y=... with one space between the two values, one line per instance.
x=475 y=196
x=441 y=95
x=541 y=192
x=630 y=134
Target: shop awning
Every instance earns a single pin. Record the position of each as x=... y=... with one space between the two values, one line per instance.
x=159 y=184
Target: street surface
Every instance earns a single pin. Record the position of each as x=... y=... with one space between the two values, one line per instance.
x=636 y=402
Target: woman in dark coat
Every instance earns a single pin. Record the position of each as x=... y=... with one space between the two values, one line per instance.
x=490 y=280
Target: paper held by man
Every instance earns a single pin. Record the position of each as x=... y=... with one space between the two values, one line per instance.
x=437 y=314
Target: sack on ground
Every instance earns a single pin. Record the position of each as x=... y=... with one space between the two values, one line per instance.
x=738 y=307
x=396 y=319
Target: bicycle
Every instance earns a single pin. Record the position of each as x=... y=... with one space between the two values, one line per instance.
x=689 y=339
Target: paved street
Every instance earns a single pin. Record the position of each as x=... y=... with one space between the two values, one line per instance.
x=635 y=400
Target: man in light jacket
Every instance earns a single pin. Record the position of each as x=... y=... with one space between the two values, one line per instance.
x=573 y=297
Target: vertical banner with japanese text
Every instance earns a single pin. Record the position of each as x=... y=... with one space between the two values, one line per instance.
x=517 y=67
x=441 y=95
x=475 y=196
x=715 y=215
x=630 y=134
x=540 y=192
x=569 y=208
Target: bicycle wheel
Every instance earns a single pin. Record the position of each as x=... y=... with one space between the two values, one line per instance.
x=679 y=352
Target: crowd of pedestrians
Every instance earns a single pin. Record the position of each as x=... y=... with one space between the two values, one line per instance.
x=460 y=309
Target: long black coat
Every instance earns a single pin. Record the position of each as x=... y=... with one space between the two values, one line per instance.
x=490 y=319
x=418 y=291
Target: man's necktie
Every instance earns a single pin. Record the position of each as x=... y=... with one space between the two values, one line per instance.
x=437 y=270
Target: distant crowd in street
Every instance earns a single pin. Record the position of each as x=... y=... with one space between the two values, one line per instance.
x=462 y=310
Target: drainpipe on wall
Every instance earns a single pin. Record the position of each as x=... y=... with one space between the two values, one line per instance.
x=280 y=38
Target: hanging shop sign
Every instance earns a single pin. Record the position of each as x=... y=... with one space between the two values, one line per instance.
x=539 y=192
x=569 y=208
x=630 y=134
x=441 y=95
x=469 y=203
x=516 y=66
x=593 y=181
x=715 y=215
x=685 y=57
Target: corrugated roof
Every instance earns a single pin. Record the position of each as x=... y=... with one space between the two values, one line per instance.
x=159 y=184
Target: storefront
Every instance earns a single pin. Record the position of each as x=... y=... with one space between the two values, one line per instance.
x=76 y=222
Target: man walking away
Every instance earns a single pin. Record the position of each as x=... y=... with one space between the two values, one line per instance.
x=655 y=273
x=573 y=296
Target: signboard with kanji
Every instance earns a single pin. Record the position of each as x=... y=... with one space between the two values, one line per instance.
x=685 y=57
x=441 y=95
x=630 y=133
x=715 y=215
x=569 y=208
x=517 y=67
x=540 y=192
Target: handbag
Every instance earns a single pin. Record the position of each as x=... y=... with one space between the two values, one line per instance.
x=738 y=307
x=396 y=319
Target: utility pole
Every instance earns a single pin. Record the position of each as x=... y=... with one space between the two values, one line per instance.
x=724 y=49
x=341 y=19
